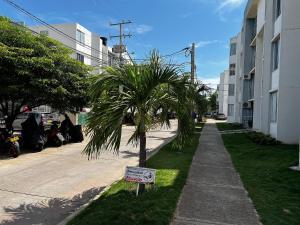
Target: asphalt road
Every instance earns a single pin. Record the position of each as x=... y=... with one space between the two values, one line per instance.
x=45 y=187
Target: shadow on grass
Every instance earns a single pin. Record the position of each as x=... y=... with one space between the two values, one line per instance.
x=156 y=205
x=48 y=212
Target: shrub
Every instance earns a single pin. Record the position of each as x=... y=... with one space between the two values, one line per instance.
x=262 y=139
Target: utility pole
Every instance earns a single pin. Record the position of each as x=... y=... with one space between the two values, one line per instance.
x=193 y=66
x=121 y=35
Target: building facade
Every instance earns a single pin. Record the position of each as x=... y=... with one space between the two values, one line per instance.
x=267 y=69
x=231 y=111
x=88 y=47
x=223 y=96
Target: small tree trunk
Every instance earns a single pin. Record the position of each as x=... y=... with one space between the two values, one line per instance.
x=143 y=155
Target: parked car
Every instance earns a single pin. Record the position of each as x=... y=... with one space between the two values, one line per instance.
x=208 y=115
x=220 y=116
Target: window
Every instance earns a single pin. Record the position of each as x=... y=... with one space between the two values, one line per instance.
x=44 y=32
x=275 y=49
x=230 y=109
x=232 y=49
x=273 y=107
x=231 y=90
x=277 y=8
x=80 y=57
x=232 y=69
x=80 y=36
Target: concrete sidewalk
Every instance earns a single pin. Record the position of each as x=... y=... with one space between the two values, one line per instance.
x=214 y=193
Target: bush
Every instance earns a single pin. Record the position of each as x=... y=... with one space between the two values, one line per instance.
x=229 y=126
x=262 y=139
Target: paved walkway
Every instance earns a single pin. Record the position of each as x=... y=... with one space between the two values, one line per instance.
x=214 y=193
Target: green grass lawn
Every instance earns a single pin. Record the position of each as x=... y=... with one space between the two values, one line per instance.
x=273 y=187
x=156 y=206
x=229 y=126
x=199 y=126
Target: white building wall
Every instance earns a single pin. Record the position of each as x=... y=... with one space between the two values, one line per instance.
x=97 y=56
x=285 y=80
x=69 y=29
x=232 y=81
x=223 y=93
x=86 y=47
x=238 y=82
x=92 y=49
x=288 y=121
x=261 y=6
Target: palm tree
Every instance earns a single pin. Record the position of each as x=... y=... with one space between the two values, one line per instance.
x=148 y=88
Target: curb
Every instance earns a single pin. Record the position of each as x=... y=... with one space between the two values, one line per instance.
x=83 y=207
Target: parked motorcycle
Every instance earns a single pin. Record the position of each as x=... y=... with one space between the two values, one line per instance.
x=9 y=142
x=33 y=132
x=71 y=132
x=54 y=137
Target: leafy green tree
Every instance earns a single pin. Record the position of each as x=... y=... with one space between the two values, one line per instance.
x=213 y=101
x=36 y=70
x=148 y=89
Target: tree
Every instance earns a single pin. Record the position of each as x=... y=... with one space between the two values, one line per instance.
x=200 y=98
x=213 y=101
x=148 y=88
x=36 y=70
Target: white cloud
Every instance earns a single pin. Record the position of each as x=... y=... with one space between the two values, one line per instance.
x=229 y=4
x=142 y=29
x=210 y=82
x=202 y=44
x=226 y=6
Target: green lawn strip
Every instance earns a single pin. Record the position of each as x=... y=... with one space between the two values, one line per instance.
x=229 y=126
x=199 y=127
x=264 y=170
x=119 y=205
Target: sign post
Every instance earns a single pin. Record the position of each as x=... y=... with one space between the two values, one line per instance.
x=137 y=189
x=140 y=175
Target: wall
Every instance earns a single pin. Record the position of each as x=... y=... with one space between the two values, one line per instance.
x=289 y=78
x=223 y=92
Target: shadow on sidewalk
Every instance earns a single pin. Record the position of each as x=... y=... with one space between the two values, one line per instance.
x=48 y=212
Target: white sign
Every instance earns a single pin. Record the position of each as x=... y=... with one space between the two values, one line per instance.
x=140 y=175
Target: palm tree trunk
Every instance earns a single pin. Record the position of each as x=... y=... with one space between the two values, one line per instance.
x=143 y=155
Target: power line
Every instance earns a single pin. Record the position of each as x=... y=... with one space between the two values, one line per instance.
x=94 y=57
x=168 y=55
x=121 y=47
x=91 y=56
x=19 y=8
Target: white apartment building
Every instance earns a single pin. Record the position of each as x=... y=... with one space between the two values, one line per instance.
x=267 y=69
x=235 y=81
x=231 y=81
x=88 y=47
x=223 y=96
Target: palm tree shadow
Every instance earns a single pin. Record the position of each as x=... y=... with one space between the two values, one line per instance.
x=129 y=154
x=48 y=212
x=158 y=138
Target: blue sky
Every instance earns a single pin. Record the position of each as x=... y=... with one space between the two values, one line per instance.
x=167 y=25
